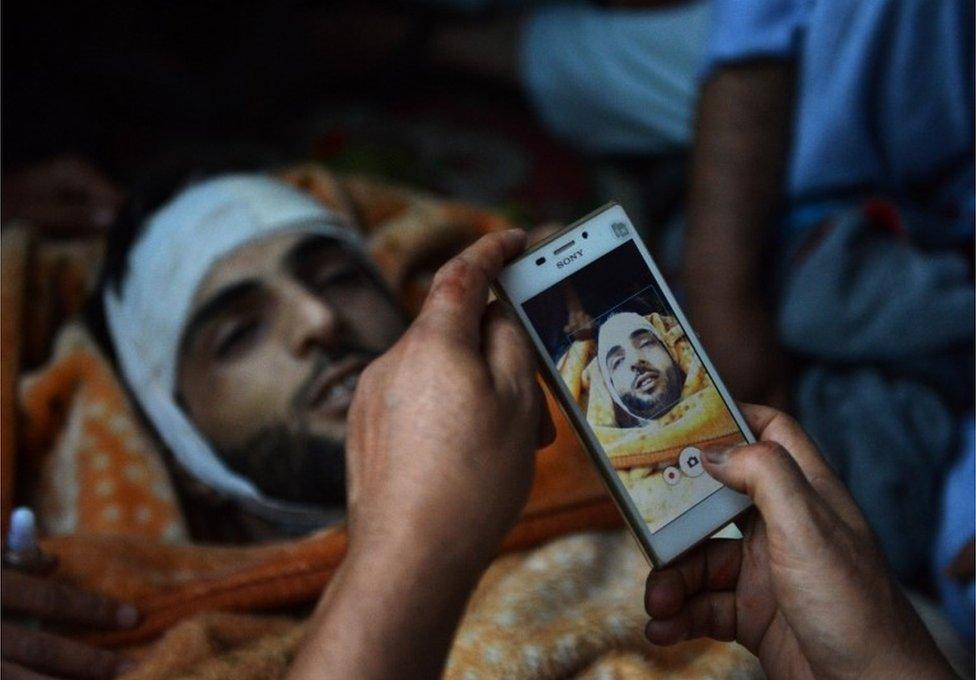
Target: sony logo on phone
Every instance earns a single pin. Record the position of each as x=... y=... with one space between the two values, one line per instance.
x=569 y=258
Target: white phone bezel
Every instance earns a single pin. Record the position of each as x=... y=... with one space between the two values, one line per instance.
x=523 y=279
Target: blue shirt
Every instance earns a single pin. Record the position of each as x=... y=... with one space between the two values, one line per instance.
x=957 y=528
x=884 y=101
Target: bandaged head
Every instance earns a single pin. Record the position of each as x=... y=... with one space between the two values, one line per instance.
x=148 y=311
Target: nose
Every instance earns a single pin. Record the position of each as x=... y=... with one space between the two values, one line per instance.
x=311 y=323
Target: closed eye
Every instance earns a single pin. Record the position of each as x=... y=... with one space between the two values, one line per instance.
x=332 y=275
x=643 y=338
x=235 y=338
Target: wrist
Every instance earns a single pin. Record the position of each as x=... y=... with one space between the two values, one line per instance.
x=430 y=544
x=903 y=663
x=906 y=649
x=397 y=593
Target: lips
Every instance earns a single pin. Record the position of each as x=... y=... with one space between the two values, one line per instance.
x=646 y=381
x=330 y=392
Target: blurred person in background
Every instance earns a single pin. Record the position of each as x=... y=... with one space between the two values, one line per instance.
x=832 y=174
x=827 y=258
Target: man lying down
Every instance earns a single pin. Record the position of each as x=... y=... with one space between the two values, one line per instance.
x=240 y=312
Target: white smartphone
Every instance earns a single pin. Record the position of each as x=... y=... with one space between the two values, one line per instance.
x=631 y=377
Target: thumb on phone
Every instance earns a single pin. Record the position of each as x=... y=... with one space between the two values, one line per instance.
x=768 y=474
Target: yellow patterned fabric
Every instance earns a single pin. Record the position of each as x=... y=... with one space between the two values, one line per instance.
x=700 y=417
x=574 y=608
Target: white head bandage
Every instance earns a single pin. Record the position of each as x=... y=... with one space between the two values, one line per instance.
x=619 y=330
x=147 y=316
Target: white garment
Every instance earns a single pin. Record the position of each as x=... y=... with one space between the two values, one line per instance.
x=615 y=80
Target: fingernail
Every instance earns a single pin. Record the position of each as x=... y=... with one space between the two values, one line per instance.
x=126 y=616
x=716 y=456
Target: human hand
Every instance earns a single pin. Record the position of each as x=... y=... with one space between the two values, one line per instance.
x=28 y=651
x=439 y=448
x=66 y=196
x=443 y=426
x=806 y=589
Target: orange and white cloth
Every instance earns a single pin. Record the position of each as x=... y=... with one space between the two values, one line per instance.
x=99 y=472
x=570 y=609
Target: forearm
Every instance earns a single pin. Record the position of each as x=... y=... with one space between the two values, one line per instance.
x=917 y=656
x=389 y=612
x=431 y=489
x=738 y=170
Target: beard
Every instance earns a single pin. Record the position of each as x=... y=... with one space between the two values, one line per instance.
x=293 y=464
x=660 y=401
x=293 y=459
x=290 y=461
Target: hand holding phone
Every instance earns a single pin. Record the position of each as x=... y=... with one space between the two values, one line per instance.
x=631 y=377
x=439 y=447
x=807 y=589
x=460 y=382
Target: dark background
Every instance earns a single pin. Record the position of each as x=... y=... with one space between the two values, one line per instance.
x=608 y=281
x=360 y=86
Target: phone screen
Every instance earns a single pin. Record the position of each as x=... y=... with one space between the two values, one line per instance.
x=644 y=392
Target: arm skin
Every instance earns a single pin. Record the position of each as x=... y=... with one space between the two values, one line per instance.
x=440 y=460
x=806 y=589
x=390 y=614
x=737 y=180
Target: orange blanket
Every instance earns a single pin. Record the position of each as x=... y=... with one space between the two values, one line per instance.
x=110 y=510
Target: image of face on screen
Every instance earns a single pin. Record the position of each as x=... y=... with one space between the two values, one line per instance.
x=640 y=374
x=637 y=379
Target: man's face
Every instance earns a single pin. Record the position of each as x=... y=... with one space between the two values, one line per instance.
x=279 y=332
x=643 y=374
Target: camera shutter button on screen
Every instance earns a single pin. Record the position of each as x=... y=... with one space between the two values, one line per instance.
x=690 y=461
